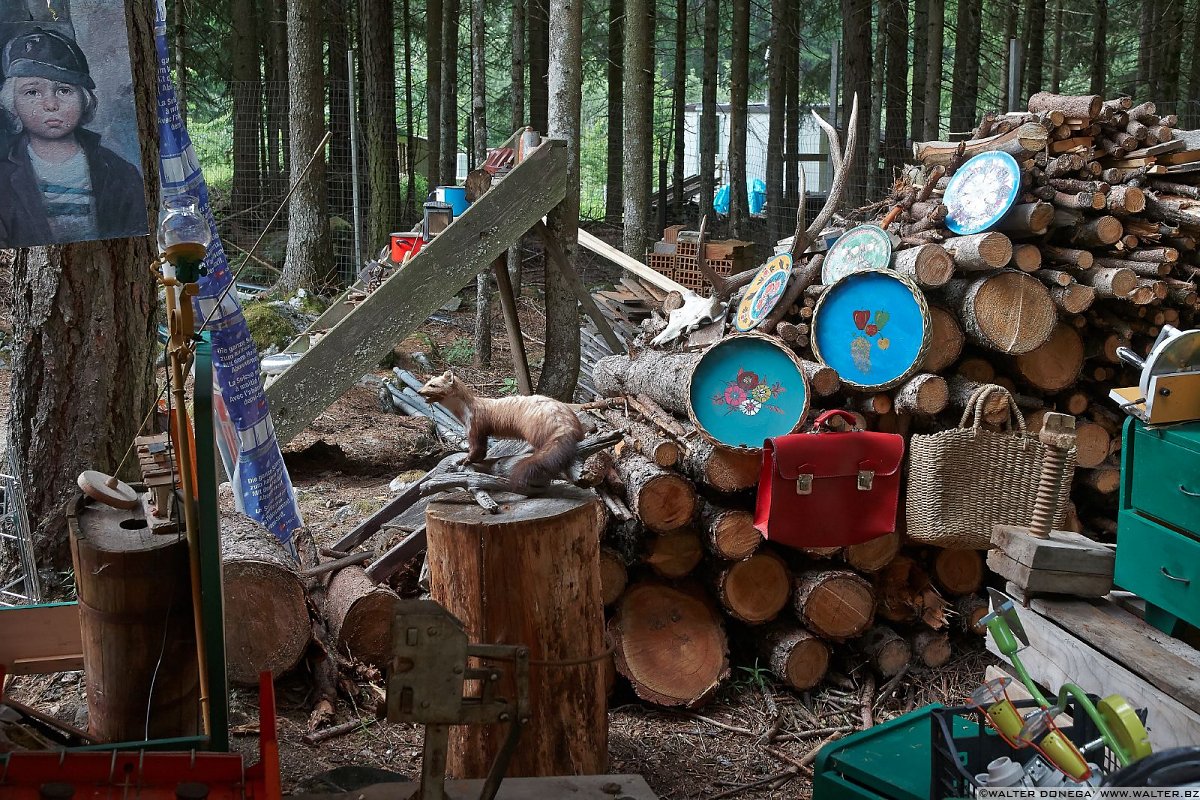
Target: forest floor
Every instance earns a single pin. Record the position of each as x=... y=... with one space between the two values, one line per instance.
x=746 y=743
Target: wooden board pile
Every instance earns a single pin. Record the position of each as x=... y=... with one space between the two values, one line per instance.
x=1100 y=251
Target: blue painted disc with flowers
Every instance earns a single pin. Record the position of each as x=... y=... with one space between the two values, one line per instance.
x=862 y=247
x=873 y=328
x=981 y=192
x=748 y=388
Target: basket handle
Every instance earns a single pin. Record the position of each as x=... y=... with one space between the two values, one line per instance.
x=974 y=410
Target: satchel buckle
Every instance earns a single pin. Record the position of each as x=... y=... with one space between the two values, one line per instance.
x=866 y=478
x=804 y=484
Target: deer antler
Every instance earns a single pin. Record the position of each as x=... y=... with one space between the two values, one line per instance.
x=841 y=166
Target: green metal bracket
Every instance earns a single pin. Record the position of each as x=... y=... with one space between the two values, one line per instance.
x=211 y=582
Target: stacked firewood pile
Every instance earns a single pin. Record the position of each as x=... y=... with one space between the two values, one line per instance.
x=1099 y=252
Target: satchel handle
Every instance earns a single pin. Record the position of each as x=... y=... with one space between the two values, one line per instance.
x=974 y=410
x=823 y=420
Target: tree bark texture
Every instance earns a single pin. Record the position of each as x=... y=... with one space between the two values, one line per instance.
x=309 y=259
x=777 y=108
x=614 y=194
x=920 y=69
x=359 y=613
x=410 y=136
x=433 y=91
x=560 y=370
x=538 y=23
x=795 y=655
x=84 y=317
x=448 y=151
x=896 y=104
x=1099 y=54
x=875 y=108
x=739 y=96
x=530 y=575
x=379 y=104
x=965 y=80
x=708 y=107
x=639 y=128
x=1035 y=45
x=856 y=79
x=835 y=604
x=1056 y=65
x=479 y=140
x=679 y=100
x=179 y=20
x=340 y=172
x=933 y=69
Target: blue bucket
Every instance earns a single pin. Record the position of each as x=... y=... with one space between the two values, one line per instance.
x=456 y=196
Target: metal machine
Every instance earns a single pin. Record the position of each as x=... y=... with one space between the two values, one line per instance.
x=1169 y=389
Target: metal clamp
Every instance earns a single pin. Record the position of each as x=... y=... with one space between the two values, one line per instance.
x=866 y=479
x=1188 y=492
x=1169 y=576
x=804 y=484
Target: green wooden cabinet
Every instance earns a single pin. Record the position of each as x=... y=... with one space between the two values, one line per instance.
x=1158 y=526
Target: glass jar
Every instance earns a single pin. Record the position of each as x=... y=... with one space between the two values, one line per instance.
x=183 y=235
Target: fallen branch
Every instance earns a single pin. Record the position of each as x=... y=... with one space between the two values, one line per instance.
x=316 y=737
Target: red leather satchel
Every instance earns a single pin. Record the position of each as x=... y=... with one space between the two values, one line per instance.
x=829 y=488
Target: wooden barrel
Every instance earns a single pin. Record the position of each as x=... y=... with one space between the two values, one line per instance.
x=747 y=388
x=529 y=575
x=135 y=615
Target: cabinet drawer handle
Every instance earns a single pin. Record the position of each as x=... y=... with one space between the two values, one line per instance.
x=1188 y=492
x=1169 y=576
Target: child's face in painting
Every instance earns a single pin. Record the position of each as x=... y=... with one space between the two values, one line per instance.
x=48 y=109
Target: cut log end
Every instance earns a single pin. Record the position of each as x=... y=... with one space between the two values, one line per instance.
x=874 y=554
x=958 y=572
x=730 y=532
x=755 y=590
x=836 y=604
x=886 y=650
x=674 y=554
x=795 y=655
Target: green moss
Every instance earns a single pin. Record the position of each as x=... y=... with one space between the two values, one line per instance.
x=267 y=326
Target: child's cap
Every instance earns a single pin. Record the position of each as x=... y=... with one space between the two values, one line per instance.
x=40 y=53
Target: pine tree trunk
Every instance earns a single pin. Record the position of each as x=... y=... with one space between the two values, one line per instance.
x=965 y=81
x=613 y=197
x=1191 y=108
x=518 y=119
x=1035 y=47
x=681 y=51
x=340 y=191
x=448 y=167
x=708 y=106
x=410 y=139
x=933 y=70
x=739 y=88
x=896 y=151
x=309 y=259
x=920 y=67
x=539 y=62
x=279 y=135
x=247 y=111
x=1056 y=57
x=560 y=370
x=433 y=92
x=1146 y=23
x=875 y=115
x=856 y=79
x=83 y=322
x=483 y=281
x=1171 y=27
x=791 y=126
x=639 y=130
x=777 y=109
x=1099 y=65
x=379 y=106
x=1008 y=10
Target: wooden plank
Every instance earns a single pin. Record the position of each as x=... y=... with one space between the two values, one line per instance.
x=469 y=245
x=1052 y=581
x=1130 y=642
x=40 y=639
x=628 y=263
x=1055 y=657
x=554 y=248
x=1064 y=550
x=397 y=556
x=512 y=324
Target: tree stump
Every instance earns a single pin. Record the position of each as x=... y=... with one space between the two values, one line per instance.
x=834 y=603
x=131 y=583
x=670 y=644
x=359 y=613
x=795 y=655
x=269 y=626
x=529 y=575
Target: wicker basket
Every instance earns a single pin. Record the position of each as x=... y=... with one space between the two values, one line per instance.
x=963 y=481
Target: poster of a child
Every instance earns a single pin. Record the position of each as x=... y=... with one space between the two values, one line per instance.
x=69 y=152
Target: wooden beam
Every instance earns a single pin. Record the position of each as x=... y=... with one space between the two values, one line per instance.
x=553 y=247
x=355 y=345
x=512 y=323
x=628 y=263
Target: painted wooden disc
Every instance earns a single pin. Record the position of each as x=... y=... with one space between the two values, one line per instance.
x=873 y=328
x=981 y=192
x=763 y=292
x=862 y=247
x=748 y=388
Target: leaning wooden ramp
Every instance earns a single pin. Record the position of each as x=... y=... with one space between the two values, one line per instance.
x=357 y=342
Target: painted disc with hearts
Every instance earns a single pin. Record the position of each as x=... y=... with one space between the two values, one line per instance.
x=873 y=328
x=745 y=389
x=981 y=192
x=764 y=292
x=862 y=247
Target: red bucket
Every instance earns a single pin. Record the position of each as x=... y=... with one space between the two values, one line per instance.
x=405 y=244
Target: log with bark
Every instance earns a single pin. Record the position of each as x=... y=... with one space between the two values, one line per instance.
x=729 y=533
x=663 y=500
x=887 y=652
x=755 y=589
x=796 y=656
x=833 y=603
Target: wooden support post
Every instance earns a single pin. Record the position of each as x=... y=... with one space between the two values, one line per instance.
x=512 y=323
x=530 y=575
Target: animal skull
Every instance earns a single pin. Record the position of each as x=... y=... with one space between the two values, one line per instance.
x=696 y=311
